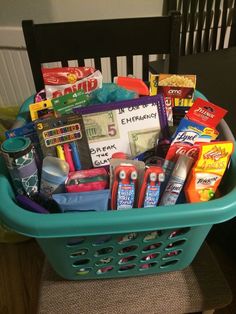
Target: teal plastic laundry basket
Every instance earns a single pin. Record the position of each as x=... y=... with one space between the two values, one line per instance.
x=113 y=244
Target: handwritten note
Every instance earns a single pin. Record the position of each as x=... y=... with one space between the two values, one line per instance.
x=131 y=130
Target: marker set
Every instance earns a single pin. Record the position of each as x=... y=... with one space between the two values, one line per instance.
x=65 y=137
x=70 y=153
x=62 y=134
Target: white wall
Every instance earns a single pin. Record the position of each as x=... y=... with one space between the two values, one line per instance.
x=42 y=11
x=16 y=82
x=13 y=11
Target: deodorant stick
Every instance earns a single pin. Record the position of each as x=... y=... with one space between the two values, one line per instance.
x=176 y=181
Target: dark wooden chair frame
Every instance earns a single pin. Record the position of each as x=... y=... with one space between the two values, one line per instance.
x=81 y=40
x=204 y=23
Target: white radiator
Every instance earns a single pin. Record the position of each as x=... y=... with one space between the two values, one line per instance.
x=16 y=81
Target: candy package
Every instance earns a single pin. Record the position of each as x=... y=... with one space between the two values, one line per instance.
x=62 y=81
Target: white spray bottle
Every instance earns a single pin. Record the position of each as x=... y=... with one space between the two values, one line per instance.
x=177 y=180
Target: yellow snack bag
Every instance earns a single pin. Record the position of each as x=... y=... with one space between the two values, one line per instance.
x=208 y=171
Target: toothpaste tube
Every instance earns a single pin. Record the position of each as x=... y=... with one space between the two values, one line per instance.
x=208 y=171
x=62 y=81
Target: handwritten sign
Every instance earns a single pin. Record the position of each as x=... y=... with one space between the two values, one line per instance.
x=132 y=130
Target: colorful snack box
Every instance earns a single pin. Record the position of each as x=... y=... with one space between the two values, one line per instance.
x=62 y=81
x=208 y=171
x=178 y=89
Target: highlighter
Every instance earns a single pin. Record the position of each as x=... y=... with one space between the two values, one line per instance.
x=60 y=152
x=75 y=155
x=68 y=157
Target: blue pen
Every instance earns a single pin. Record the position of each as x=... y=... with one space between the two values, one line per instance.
x=75 y=155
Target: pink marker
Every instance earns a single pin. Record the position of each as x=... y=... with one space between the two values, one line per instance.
x=68 y=157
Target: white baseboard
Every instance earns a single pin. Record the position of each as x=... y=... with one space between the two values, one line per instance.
x=11 y=37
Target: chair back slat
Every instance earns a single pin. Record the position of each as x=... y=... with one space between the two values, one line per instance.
x=192 y=24
x=129 y=65
x=81 y=62
x=101 y=39
x=184 y=27
x=200 y=19
x=97 y=63
x=223 y=24
x=200 y=24
x=64 y=63
x=215 y=29
x=209 y=15
x=145 y=65
x=113 y=63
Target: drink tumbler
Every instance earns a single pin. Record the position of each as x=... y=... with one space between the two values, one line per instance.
x=19 y=156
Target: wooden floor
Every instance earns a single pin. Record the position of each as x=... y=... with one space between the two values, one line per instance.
x=20 y=270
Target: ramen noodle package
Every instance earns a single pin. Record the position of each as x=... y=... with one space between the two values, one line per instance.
x=208 y=171
x=62 y=81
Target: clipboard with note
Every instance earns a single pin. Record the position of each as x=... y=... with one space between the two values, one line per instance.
x=130 y=126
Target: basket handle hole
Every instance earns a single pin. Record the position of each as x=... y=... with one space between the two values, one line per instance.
x=104 y=270
x=175 y=244
x=127 y=237
x=104 y=261
x=147 y=266
x=79 y=253
x=75 y=241
x=169 y=263
x=152 y=236
x=102 y=239
x=127 y=267
x=81 y=262
x=127 y=259
x=151 y=247
x=172 y=253
x=149 y=257
x=105 y=250
x=179 y=232
x=128 y=249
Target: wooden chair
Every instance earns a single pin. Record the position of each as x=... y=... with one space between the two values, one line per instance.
x=205 y=24
x=102 y=38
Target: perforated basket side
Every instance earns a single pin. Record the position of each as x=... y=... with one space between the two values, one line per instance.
x=124 y=255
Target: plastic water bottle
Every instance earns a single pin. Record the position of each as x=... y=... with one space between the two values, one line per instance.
x=54 y=175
